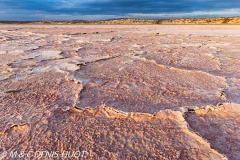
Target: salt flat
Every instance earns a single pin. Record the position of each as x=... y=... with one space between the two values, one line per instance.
x=121 y=91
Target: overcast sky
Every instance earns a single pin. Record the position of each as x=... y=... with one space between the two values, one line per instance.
x=107 y=9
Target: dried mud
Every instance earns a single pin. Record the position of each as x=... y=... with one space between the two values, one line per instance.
x=121 y=92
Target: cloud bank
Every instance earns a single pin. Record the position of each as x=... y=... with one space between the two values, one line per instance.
x=104 y=9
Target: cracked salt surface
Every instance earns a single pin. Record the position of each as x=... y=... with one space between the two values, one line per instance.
x=121 y=92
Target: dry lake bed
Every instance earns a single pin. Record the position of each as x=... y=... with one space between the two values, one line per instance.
x=120 y=92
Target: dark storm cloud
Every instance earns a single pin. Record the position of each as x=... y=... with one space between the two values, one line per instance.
x=114 y=7
x=121 y=6
x=44 y=5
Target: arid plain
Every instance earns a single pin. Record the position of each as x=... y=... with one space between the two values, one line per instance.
x=121 y=91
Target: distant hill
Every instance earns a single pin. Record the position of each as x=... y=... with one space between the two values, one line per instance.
x=221 y=20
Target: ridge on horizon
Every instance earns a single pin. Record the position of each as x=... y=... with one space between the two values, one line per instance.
x=128 y=20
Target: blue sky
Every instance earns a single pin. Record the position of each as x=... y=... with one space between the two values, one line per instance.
x=107 y=9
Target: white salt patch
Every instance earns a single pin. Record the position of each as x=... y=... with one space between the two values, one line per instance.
x=191 y=44
x=2 y=52
x=16 y=51
x=139 y=53
x=182 y=109
x=62 y=68
x=50 y=55
x=66 y=67
x=83 y=40
x=136 y=46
